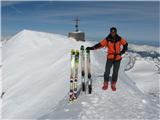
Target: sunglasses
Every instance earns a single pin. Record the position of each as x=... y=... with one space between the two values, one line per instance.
x=113 y=31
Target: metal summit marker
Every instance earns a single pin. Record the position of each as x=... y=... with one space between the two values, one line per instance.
x=77 y=35
x=77 y=20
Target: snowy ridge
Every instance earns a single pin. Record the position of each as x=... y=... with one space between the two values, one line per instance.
x=36 y=72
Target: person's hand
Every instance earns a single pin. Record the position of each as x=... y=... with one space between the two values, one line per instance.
x=121 y=53
x=89 y=48
x=124 y=54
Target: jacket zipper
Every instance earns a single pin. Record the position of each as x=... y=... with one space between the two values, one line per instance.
x=114 y=49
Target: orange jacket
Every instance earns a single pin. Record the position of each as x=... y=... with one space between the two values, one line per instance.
x=114 y=47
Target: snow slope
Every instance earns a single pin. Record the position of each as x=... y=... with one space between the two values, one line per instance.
x=36 y=71
x=144 y=69
x=127 y=103
x=144 y=73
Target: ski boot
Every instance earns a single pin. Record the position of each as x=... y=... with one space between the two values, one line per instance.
x=113 y=86
x=105 y=85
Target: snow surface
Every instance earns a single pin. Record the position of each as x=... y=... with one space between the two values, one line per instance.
x=0 y=77
x=146 y=70
x=36 y=70
x=146 y=74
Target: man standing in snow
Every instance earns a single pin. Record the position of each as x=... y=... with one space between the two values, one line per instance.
x=113 y=42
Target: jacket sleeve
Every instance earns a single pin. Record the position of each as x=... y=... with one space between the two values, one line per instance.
x=101 y=44
x=125 y=46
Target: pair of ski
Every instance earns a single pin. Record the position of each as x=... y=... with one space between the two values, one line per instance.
x=85 y=70
x=85 y=64
x=74 y=75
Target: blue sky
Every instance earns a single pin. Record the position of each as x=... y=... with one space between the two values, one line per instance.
x=136 y=21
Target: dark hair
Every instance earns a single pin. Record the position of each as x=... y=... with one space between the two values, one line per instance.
x=113 y=29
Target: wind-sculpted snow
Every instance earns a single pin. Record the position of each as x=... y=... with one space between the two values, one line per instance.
x=35 y=73
x=36 y=70
x=131 y=61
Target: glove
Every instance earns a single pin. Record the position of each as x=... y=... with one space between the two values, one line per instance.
x=121 y=53
x=89 y=48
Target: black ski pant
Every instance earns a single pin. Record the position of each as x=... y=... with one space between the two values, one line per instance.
x=109 y=64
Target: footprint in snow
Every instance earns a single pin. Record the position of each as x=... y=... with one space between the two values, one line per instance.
x=144 y=101
x=95 y=105
x=88 y=112
x=94 y=100
x=84 y=104
x=91 y=108
x=66 y=110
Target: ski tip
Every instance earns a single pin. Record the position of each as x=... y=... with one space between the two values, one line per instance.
x=82 y=47
x=72 y=51
x=77 y=52
x=87 y=50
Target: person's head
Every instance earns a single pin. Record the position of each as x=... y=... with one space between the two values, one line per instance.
x=113 y=31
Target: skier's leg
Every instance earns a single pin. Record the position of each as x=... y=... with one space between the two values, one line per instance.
x=107 y=70
x=106 y=74
x=116 y=65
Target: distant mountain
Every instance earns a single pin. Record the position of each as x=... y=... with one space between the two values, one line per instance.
x=145 y=50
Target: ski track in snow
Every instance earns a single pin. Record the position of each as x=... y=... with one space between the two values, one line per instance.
x=37 y=87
